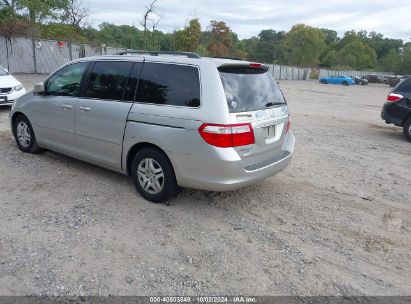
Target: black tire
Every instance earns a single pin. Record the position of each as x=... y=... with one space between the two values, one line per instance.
x=30 y=144
x=169 y=184
x=407 y=129
x=324 y=81
x=345 y=83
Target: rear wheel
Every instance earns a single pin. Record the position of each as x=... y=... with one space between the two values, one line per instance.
x=24 y=135
x=407 y=129
x=323 y=81
x=153 y=175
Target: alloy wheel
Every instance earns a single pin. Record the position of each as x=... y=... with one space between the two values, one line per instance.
x=23 y=134
x=150 y=175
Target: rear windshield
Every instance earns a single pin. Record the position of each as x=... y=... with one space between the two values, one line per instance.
x=404 y=86
x=249 y=89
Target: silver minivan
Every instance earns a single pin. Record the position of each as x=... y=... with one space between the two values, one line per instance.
x=165 y=119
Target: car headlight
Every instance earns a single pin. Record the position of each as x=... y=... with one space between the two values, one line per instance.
x=18 y=87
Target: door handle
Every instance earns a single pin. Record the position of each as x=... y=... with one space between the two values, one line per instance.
x=85 y=109
x=67 y=107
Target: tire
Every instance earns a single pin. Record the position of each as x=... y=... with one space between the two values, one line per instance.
x=345 y=83
x=407 y=129
x=153 y=175
x=324 y=81
x=24 y=135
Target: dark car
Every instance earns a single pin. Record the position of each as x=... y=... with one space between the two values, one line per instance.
x=360 y=81
x=393 y=81
x=397 y=108
x=372 y=78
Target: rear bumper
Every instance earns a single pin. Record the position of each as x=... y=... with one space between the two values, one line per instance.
x=227 y=172
x=392 y=113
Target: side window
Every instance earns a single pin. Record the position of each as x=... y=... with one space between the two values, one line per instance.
x=169 y=84
x=66 y=82
x=108 y=80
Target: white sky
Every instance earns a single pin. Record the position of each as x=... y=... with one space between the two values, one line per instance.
x=247 y=18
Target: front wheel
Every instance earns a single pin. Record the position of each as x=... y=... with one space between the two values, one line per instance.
x=24 y=135
x=323 y=81
x=345 y=83
x=153 y=175
x=407 y=129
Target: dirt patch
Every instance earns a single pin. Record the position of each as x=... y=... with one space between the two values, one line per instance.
x=382 y=127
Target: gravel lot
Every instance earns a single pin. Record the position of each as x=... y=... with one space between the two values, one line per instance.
x=337 y=221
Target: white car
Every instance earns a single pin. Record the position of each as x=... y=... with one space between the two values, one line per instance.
x=10 y=88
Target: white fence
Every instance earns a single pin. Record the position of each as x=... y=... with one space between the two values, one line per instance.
x=282 y=72
x=328 y=73
x=25 y=55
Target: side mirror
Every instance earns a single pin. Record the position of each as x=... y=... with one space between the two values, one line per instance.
x=39 y=88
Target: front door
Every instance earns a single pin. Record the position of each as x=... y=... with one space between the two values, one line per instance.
x=53 y=115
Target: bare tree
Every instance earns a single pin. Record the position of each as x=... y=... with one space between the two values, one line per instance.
x=76 y=13
x=151 y=18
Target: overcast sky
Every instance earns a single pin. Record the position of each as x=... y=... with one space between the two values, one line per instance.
x=248 y=17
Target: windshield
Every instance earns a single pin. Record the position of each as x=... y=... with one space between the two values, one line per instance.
x=249 y=89
x=3 y=72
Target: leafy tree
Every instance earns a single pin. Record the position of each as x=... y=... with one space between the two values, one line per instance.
x=390 y=62
x=40 y=10
x=357 y=55
x=331 y=36
x=405 y=61
x=188 y=39
x=12 y=24
x=28 y=16
x=267 y=47
x=221 y=41
x=304 y=45
x=330 y=59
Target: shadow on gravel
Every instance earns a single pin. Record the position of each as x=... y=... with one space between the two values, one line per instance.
x=388 y=132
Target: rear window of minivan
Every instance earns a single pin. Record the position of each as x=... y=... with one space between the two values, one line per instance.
x=250 y=89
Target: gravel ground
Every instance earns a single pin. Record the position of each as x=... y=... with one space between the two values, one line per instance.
x=337 y=221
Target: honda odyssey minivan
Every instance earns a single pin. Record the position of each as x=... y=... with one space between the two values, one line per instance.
x=165 y=119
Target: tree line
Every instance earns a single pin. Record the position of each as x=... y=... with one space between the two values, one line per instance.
x=302 y=45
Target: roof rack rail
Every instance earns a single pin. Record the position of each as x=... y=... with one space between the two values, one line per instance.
x=227 y=57
x=157 y=53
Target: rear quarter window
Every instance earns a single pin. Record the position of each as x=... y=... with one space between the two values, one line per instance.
x=169 y=84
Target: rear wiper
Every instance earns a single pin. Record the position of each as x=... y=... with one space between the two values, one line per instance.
x=270 y=104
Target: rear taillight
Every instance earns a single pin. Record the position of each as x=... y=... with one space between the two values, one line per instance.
x=226 y=136
x=392 y=97
x=288 y=124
